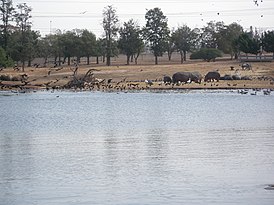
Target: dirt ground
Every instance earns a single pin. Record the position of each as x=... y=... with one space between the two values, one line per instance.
x=122 y=75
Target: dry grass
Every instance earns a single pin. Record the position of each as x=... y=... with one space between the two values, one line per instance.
x=39 y=78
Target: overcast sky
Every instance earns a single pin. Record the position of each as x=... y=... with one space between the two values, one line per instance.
x=49 y=15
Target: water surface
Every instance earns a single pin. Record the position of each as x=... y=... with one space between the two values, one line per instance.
x=136 y=148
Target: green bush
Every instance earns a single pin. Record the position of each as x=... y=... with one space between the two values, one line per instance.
x=5 y=61
x=206 y=54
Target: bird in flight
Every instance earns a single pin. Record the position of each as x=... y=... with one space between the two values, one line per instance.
x=83 y=12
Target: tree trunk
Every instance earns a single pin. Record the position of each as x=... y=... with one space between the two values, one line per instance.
x=88 y=60
x=136 y=56
x=156 y=60
x=78 y=59
x=59 y=60
x=184 y=55
x=182 y=59
x=29 y=63
x=108 y=60
x=97 y=59
x=169 y=56
x=46 y=60
x=236 y=56
x=23 y=66
x=108 y=48
x=131 y=60
x=128 y=58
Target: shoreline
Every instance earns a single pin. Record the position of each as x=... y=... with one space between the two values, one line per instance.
x=134 y=77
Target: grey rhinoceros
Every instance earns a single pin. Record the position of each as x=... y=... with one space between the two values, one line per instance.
x=184 y=77
x=212 y=75
x=167 y=79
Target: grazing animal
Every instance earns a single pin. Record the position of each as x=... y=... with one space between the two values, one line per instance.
x=211 y=76
x=246 y=66
x=185 y=77
x=167 y=79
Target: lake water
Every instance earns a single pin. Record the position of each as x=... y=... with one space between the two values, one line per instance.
x=197 y=147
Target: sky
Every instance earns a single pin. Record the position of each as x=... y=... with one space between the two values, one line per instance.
x=66 y=15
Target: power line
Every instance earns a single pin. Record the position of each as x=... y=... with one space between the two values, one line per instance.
x=136 y=1
x=242 y=12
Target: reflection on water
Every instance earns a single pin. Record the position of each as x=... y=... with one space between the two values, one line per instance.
x=136 y=148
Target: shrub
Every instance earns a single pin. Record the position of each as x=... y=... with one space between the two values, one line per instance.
x=207 y=54
x=5 y=61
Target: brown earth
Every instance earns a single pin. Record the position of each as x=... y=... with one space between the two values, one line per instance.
x=262 y=75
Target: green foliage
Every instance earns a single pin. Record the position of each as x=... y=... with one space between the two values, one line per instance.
x=210 y=35
x=228 y=35
x=247 y=44
x=6 y=12
x=22 y=17
x=156 y=31
x=206 y=54
x=88 y=44
x=110 y=25
x=130 y=42
x=268 y=41
x=185 y=39
x=5 y=61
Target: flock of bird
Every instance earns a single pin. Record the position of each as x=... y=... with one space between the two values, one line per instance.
x=125 y=85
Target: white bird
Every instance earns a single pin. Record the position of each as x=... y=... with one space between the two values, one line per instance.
x=148 y=82
x=189 y=80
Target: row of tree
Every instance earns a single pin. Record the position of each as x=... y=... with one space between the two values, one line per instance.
x=21 y=44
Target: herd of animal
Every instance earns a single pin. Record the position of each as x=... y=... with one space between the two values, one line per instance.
x=188 y=77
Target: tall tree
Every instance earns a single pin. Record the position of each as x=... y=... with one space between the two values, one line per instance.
x=22 y=17
x=110 y=25
x=89 y=44
x=247 y=44
x=100 y=49
x=6 y=9
x=32 y=45
x=44 y=48
x=130 y=39
x=268 y=41
x=170 y=46
x=184 y=39
x=69 y=44
x=228 y=34
x=156 y=31
x=211 y=34
x=4 y=60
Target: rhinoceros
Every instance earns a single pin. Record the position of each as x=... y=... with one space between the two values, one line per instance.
x=184 y=77
x=167 y=79
x=212 y=75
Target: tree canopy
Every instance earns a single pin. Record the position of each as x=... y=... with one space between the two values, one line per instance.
x=130 y=42
x=21 y=44
x=184 y=39
x=156 y=31
x=110 y=25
